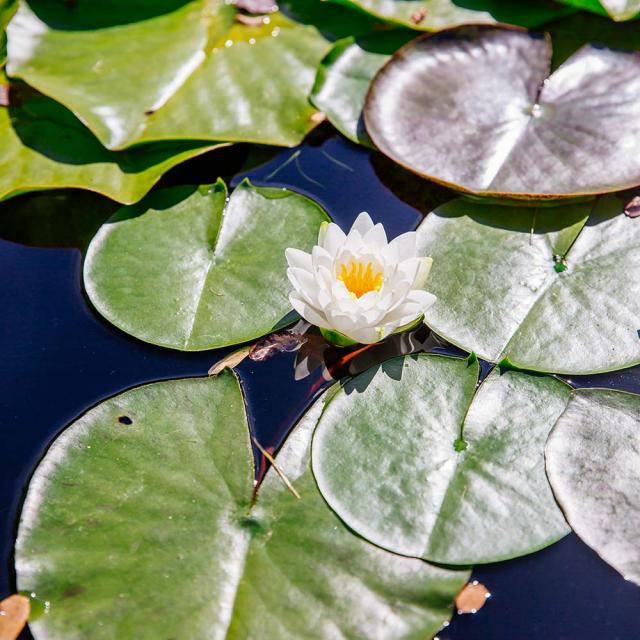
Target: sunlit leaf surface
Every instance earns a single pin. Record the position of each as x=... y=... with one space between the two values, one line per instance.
x=177 y=70
x=593 y=463
x=477 y=110
x=45 y=147
x=533 y=285
x=192 y=269
x=414 y=460
x=139 y=523
x=433 y=15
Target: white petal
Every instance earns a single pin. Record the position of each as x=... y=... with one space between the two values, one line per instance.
x=401 y=248
x=307 y=311
x=333 y=239
x=375 y=238
x=423 y=273
x=362 y=224
x=298 y=258
x=409 y=269
x=368 y=335
x=302 y=281
x=320 y=257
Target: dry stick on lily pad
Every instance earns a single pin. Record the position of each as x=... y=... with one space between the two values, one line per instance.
x=230 y=361
x=551 y=289
x=416 y=459
x=475 y=109
x=194 y=269
x=169 y=501
x=14 y=613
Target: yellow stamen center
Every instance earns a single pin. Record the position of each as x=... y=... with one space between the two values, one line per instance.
x=360 y=278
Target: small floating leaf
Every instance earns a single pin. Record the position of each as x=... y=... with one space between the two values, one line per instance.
x=593 y=464
x=472 y=597
x=476 y=109
x=387 y=458
x=14 y=613
x=161 y=538
x=189 y=269
x=512 y=297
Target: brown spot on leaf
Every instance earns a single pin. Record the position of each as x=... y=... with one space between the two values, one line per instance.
x=632 y=210
x=472 y=597
x=318 y=117
x=14 y=613
x=74 y=591
x=418 y=16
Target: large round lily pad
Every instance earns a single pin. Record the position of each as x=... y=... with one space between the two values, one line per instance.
x=193 y=269
x=139 y=523
x=537 y=285
x=593 y=464
x=476 y=109
x=434 y=15
x=211 y=77
x=45 y=147
x=417 y=462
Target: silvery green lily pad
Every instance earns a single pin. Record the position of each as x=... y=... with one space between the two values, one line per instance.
x=195 y=269
x=212 y=77
x=536 y=285
x=140 y=523
x=415 y=460
x=593 y=464
x=476 y=109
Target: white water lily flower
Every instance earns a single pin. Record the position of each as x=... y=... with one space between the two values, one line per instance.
x=359 y=286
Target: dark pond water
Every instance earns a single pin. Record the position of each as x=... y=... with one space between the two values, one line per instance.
x=58 y=358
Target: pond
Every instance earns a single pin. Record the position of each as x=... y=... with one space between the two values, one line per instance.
x=59 y=358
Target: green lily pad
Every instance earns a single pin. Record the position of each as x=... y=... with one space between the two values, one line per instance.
x=593 y=464
x=476 y=109
x=7 y=9
x=616 y=9
x=434 y=15
x=139 y=523
x=344 y=76
x=533 y=285
x=45 y=147
x=193 y=269
x=416 y=461
x=210 y=77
